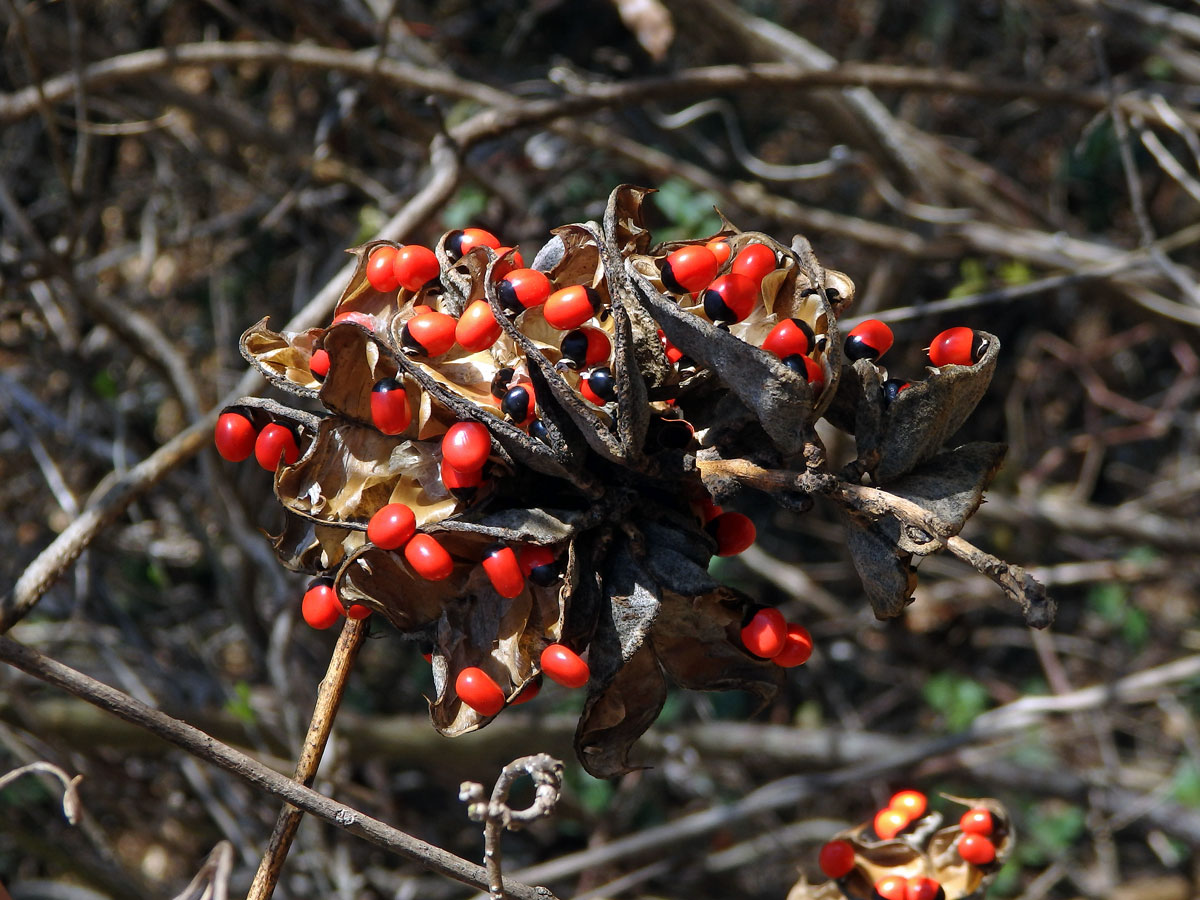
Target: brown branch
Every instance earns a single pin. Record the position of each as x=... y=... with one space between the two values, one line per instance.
x=204 y=746
x=329 y=698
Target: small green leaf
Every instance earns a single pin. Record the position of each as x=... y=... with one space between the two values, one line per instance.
x=104 y=385
x=465 y=207
x=1185 y=786
x=239 y=704
x=959 y=699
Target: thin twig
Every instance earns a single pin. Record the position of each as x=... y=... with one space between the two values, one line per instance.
x=329 y=698
x=70 y=801
x=204 y=746
x=211 y=882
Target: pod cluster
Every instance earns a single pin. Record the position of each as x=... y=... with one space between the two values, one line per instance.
x=908 y=852
x=507 y=462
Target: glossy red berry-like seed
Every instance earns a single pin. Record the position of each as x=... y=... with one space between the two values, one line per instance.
x=890 y=887
x=836 y=859
x=538 y=564
x=912 y=803
x=503 y=570
x=353 y=315
x=380 y=269
x=519 y=403
x=889 y=823
x=689 y=269
x=957 y=347
x=467 y=445
x=415 y=266
x=527 y=693
x=791 y=337
x=765 y=633
x=892 y=388
x=733 y=532
x=358 y=611
x=320 y=607
x=598 y=386
x=503 y=267
x=868 y=340
x=754 y=262
x=235 y=437
x=476 y=688
x=430 y=334
x=462 y=484
x=570 y=307
x=719 y=247
x=922 y=888
x=390 y=409
x=392 y=526
x=977 y=821
x=428 y=558
x=977 y=849
x=318 y=364
x=585 y=347
x=275 y=443
x=477 y=328
x=730 y=298
x=807 y=368
x=562 y=664
x=797 y=647
x=459 y=243
x=674 y=354
x=523 y=289
x=707 y=509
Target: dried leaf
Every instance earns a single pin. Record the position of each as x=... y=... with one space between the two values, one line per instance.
x=885 y=570
x=616 y=716
x=282 y=357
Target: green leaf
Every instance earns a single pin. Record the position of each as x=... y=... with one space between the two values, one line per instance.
x=959 y=699
x=465 y=207
x=1052 y=828
x=1185 y=786
x=239 y=704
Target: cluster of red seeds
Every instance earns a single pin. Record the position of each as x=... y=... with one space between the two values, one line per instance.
x=974 y=845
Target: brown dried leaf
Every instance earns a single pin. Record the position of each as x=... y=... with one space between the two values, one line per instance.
x=358 y=359
x=305 y=546
x=885 y=570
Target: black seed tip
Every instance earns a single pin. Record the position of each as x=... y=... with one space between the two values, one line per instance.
x=410 y=344
x=795 y=362
x=856 y=348
x=539 y=431
x=602 y=383
x=383 y=385
x=515 y=404
x=507 y=295
x=454 y=243
x=544 y=576
x=500 y=382
x=715 y=308
x=669 y=282
x=574 y=348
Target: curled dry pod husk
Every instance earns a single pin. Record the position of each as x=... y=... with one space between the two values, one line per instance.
x=283 y=357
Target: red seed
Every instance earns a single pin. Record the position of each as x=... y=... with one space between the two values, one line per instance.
x=889 y=823
x=689 y=269
x=358 y=318
x=562 y=664
x=523 y=289
x=275 y=442
x=956 y=347
x=538 y=564
x=707 y=509
x=730 y=298
x=428 y=558
x=977 y=821
x=532 y=689
x=807 y=368
x=503 y=570
x=922 y=888
x=797 y=647
x=733 y=532
x=467 y=446
x=392 y=526
x=318 y=364
x=585 y=389
x=719 y=247
x=415 y=266
x=674 y=354
x=868 y=340
x=571 y=307
x=235 y=437
x=912 y=803
x=477 y=689
x=585 y=347
x=460 y=243
x=754 y=262
x=890 y=887
x=477 y=328
x=977 y=849
x=503 y=267
x=358 y=611
x=519 y=403
x=765 y=633
x=836 y=859
x=320 y=607
x=461 y=484
x=390 y=410
x=380 y=271
x=790 y=337
x=430 y=334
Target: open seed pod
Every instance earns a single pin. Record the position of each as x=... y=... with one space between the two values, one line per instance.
x=518 y=465
x=856 y=861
